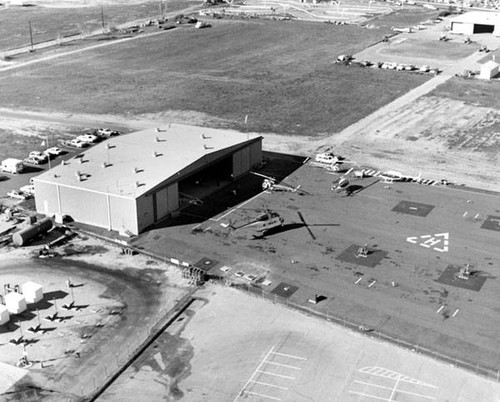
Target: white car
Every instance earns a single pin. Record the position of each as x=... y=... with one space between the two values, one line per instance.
x=326 y=157
x=77 y=143
x=38 y=155
x=17 y=195
x=54 y=151
x=88 y=138
x=106 y=132
x=29 y=189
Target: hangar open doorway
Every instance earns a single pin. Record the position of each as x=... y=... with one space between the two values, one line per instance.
x=206 y=181
x=483 y=28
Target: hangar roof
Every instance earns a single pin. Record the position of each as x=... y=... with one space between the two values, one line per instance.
x=130 y=165
x=478 y=17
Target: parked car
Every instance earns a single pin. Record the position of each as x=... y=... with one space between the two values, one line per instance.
x=32 y=161
x=38 y=155
x=54 y=151
x=88 y=138
x=17 y=195
x=28 y=189
x=76 y=143
x=106 y=132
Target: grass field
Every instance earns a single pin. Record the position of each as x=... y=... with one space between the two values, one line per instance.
x=47 y=23
x=279 y=73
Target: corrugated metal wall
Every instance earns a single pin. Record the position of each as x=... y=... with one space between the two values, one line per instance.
x=167 y=201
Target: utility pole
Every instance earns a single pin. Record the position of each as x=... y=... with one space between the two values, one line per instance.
x=31 y=37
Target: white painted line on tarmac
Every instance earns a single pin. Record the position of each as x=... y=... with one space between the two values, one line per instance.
x=207 y=229
x=268 y=385
x=276 y=375
x=371 y=284
x=284 y=365
x=456 y=312
x=439 y=310
x=234 y=209
x=291 y=356
x=256 y=370
x=359 y=280
x=263 y=396
x=372 y=385
x=369 y=396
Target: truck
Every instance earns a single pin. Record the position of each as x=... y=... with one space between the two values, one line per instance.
x=12 y=165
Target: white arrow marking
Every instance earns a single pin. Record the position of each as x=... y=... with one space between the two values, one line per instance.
x=412 y=239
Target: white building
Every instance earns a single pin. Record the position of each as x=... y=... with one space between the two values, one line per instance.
x=4 y=315
x=130 y=182
x=15 y=302
x=476 y=22
x=489 y=70
x=33 y=292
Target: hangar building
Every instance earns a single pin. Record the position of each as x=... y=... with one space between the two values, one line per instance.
x=132 y=181
x=476 y=22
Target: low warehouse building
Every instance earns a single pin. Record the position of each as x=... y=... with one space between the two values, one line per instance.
x=132 y=181
x=488 y=70
x=476 y=22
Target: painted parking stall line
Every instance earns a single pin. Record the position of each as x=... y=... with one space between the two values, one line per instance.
x=272 y=378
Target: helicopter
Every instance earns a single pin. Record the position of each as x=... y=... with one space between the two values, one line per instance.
x=260 y=225
x=272 y=184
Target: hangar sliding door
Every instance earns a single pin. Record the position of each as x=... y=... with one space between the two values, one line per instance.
x=241 y=162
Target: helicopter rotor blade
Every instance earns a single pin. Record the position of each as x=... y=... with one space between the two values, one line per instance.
x=306 y=225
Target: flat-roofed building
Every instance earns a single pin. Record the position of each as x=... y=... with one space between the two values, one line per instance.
x=132 y=181
x=476 y=22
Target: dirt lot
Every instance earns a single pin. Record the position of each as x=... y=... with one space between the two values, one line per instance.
x=267 y=351
x=118 y=300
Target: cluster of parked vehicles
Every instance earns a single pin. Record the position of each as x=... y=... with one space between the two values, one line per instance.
x=88 y=139
x=13 y=165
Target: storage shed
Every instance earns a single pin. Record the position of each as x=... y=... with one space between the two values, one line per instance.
x=15 y=303
x=32 y=292
x=129 y=182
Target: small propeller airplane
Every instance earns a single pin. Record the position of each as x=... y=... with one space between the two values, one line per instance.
x=272 y=184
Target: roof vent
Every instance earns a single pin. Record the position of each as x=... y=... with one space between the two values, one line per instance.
x=205 y=137
x=78 y=176
x=158 y=129
x=136 y=170
x=63 y=162
x=104 y=165
x=137 y=184
x=108 y=145
x=155 y=154
x=81 y=160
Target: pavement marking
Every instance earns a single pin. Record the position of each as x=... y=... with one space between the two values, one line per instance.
x=430 y=241
x=456 y=312
x=234 y=209
x=291 y=356
x=256 y=370
x=359 y=280
x=284 y=365
x=439 y=309
x=395 y=390
x=264 y=396
x=277 y=375
x=260 y=371
x=269 y=385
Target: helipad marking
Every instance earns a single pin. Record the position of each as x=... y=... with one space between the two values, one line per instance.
x=429 y=241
